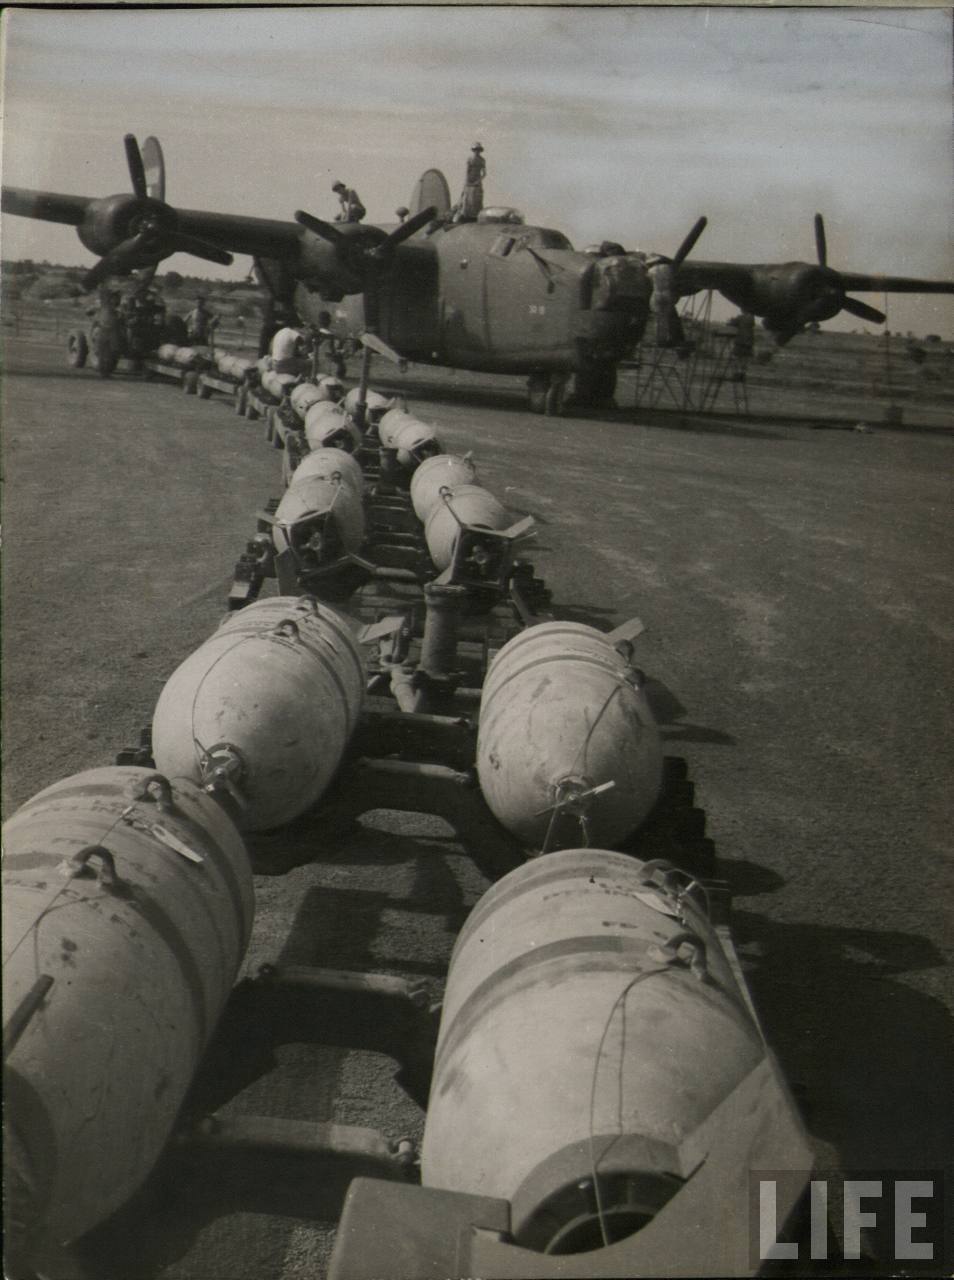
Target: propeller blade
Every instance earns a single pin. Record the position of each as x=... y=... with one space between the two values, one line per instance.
x=201 y=249
x=137 y=173
x=372 y=311
x=688 y=244
x=327 y=230
x=117 y=262
x=861 y=309
x=96 y=275
x=408 y=228
x=821 y=245
x=155 y=169
x=669 y=330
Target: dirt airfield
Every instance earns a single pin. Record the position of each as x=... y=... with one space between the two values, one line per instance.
x=795 y=579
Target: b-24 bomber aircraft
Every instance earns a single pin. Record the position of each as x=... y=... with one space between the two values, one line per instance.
x=491 y=295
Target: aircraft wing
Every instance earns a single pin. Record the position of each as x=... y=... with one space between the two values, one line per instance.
x=46 y=205
x=893 y=284
x=734 y=280
x=260 y=237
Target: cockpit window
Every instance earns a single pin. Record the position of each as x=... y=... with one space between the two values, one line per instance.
x=542 y=238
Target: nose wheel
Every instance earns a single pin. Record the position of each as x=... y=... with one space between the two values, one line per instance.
x=547 y=393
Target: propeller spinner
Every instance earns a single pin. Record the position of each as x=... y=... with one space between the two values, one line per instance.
x=142 y=227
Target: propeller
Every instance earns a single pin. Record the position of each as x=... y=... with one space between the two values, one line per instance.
x=364 y=253
x=151 y=226
x=662 y=273
x=819 y=294
x=854 y=306
x=821 y=244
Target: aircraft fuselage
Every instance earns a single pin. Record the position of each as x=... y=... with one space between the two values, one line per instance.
x=493 y=297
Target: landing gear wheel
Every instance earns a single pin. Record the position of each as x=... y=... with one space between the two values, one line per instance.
x=77 y=349
x=190 y=383
x=537 y=387
x=556 y=394
x=595 y=385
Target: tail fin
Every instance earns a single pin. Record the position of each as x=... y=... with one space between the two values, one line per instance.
x=430 y=189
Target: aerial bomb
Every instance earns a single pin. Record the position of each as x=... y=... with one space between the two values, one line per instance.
x=184 y=357
x=319 y=519
x=465 y=506
x=443 y=471
x=567 y=744
x=414 y=440
x=127 y=906
x=308 y=393
x=263 y=710
x=278 y=385
x=376 y=404
x=327 y=425
x=304 y=396
x=591 y=1025
x=233 y=366
x=331 y=464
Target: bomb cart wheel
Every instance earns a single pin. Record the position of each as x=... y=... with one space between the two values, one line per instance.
x=241 y=400
x=77 y=349
x=190 y=383
x=104 y=350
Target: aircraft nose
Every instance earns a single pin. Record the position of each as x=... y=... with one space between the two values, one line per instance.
x=620 y=283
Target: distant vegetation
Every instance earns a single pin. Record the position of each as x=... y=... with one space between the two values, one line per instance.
x=28 y=281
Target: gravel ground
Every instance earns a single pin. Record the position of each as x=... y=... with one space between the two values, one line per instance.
x=796 y=587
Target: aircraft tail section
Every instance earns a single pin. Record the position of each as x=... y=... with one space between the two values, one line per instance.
x=431 y=189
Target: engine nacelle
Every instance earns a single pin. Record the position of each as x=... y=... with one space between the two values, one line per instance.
x=110 y=221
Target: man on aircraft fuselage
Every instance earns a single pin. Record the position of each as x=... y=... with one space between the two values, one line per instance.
x=352 y=210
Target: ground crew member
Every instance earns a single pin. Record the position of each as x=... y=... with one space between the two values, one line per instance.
x=352 y=210
x=472 y=198
x=200 y=323
x=289 y=353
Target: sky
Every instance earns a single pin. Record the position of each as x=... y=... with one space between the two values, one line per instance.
x=606 y=123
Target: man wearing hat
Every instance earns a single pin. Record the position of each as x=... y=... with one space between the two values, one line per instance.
x=472 y=198
x=352 y=210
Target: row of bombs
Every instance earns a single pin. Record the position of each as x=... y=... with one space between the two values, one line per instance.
x=128 y=896
x=128 y=902
x=321 y=518
x=597 y=1066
